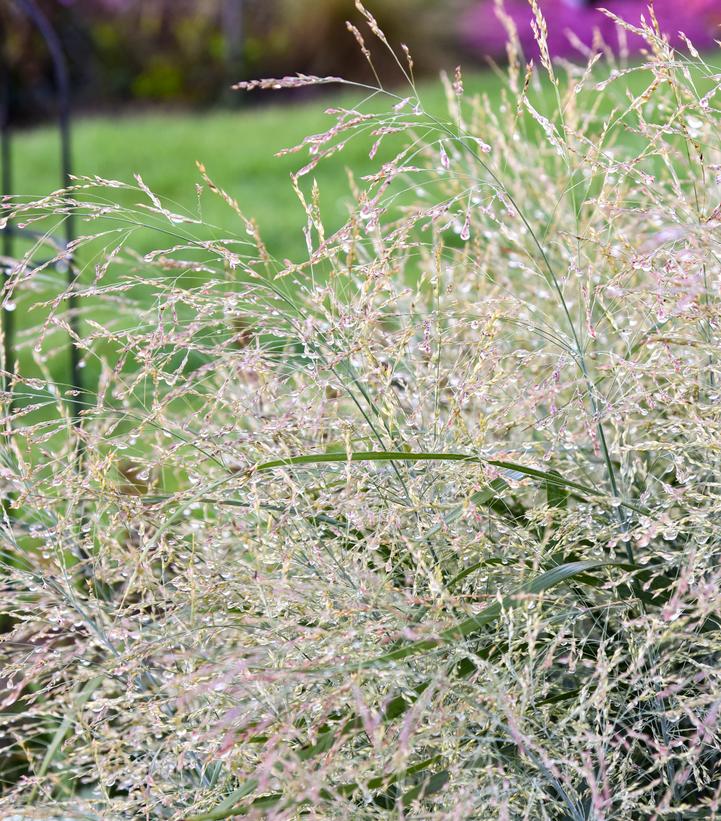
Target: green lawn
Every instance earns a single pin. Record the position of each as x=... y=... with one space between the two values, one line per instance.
x=238 y=149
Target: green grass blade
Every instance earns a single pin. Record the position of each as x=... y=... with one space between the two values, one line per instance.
x=556 y=496
x=480 y=498
x=399 y=705
x=65 y=726
x=470 y=626
x=404 y=456
x=229 y=808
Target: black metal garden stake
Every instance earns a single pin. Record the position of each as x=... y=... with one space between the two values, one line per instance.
x=62 y=87
x=8 y=318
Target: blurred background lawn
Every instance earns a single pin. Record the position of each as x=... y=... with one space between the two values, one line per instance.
x=238 y=149
x=150 y=83
x=151 y=94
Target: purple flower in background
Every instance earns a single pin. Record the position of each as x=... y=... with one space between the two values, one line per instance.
x=698 y=19
x=112 y=6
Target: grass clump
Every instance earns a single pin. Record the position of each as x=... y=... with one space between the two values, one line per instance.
x=421 y=527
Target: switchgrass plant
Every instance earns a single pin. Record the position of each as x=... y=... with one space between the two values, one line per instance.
x=424 y=525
